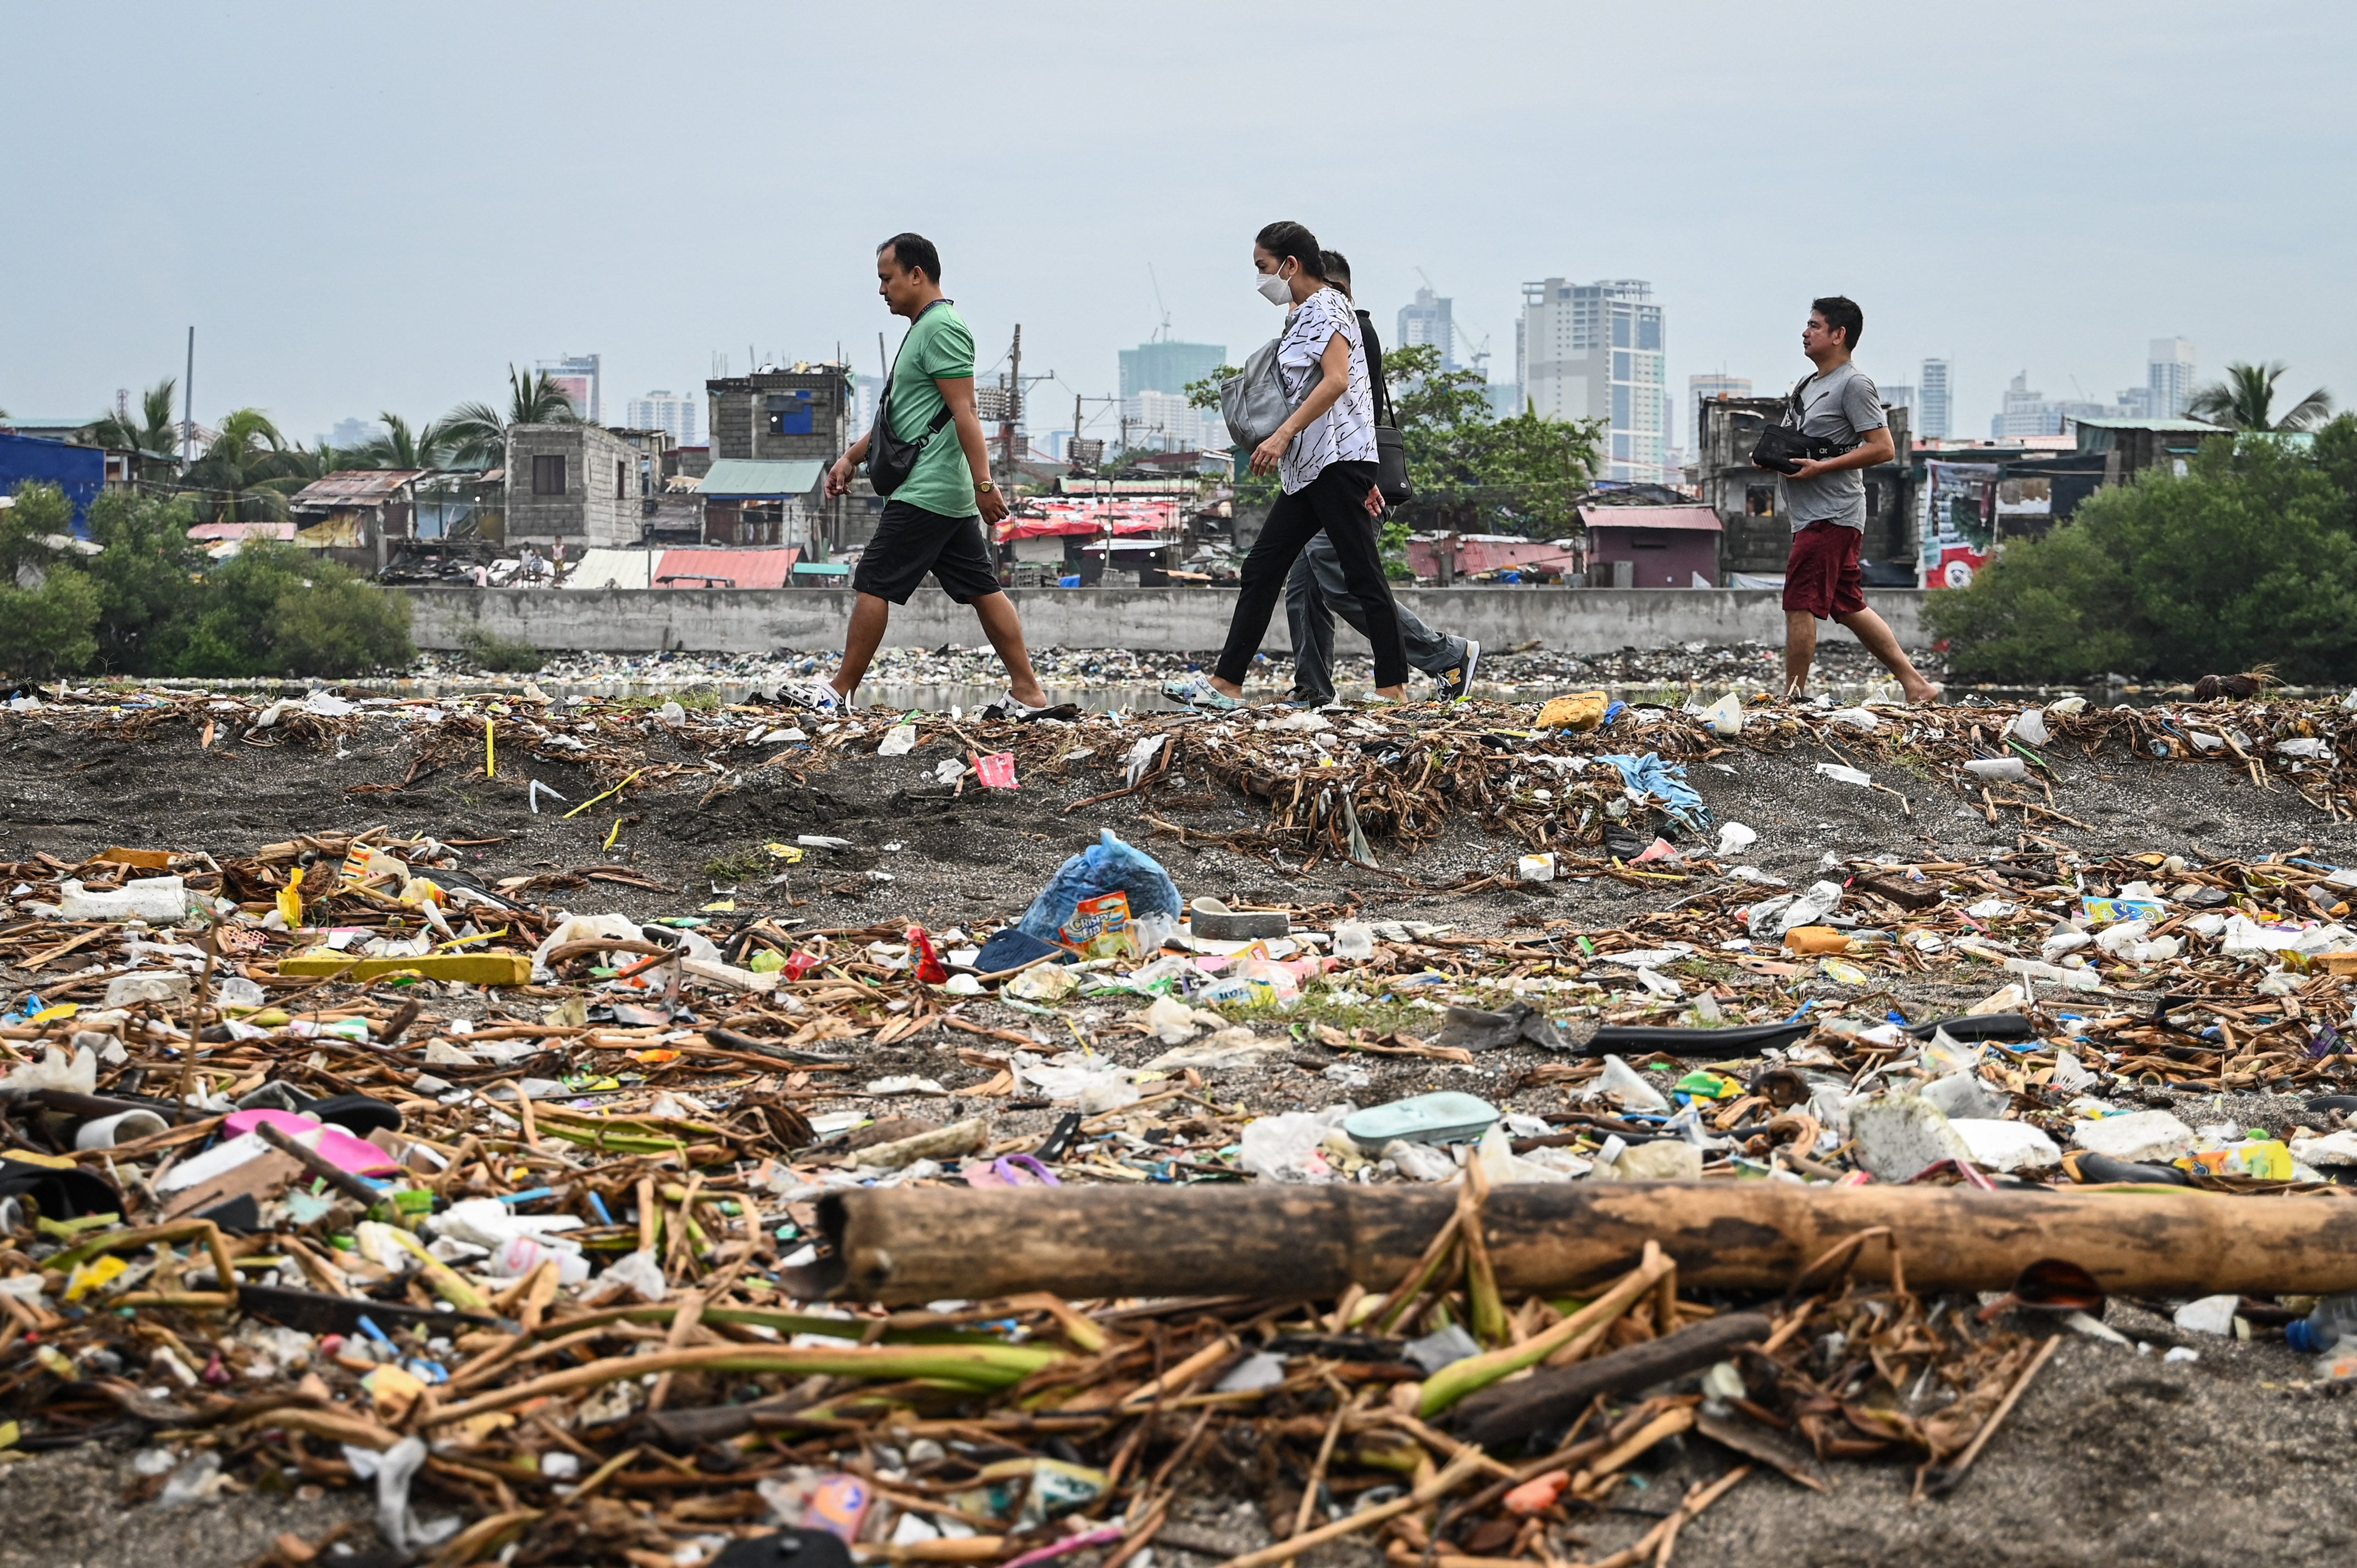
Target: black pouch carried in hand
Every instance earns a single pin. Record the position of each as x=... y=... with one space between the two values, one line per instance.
x=1782 y=447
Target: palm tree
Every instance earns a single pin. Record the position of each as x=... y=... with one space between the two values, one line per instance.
x=477 y=434
x=248 y=451
x=152 y=430
x=399 y=448
x=2245 y=401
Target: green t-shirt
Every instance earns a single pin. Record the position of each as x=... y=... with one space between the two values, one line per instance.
x=938 y=345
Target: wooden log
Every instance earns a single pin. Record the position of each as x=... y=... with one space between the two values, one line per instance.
x=918 y=1244
x=1509 y=1412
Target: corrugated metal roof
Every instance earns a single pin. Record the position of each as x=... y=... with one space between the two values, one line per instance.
x=740 y=568
x=605 y=568
x=357 y=486
x=748 y=477
x=2188 y=425
x=1692 y=519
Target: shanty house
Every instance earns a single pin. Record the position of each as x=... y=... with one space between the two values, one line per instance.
x=356 y=515
x=573 y=484
x=1651 y=546
x=751 y=501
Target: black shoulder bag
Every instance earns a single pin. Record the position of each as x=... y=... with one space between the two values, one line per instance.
x=892 y=460
x=1390 y=448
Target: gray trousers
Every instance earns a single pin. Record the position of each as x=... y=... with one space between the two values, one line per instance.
x=1314 y=594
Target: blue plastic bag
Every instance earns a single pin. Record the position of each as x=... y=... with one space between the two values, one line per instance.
x=1107 y=866
x=1665 y=781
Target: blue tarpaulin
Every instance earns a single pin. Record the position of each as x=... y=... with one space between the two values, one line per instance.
x=80 y=471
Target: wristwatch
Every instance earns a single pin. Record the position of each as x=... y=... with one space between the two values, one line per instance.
x=983 y=486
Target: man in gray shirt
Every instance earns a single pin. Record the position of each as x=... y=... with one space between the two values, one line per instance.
x=1826 y=499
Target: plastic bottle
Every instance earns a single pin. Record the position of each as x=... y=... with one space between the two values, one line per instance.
x=2335 y=1318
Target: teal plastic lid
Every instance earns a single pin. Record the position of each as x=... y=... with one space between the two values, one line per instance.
x=1447 y=1117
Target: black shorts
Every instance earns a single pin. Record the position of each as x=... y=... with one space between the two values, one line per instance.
x=910 y=542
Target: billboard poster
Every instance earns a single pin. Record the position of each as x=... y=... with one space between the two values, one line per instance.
x=1958 y=526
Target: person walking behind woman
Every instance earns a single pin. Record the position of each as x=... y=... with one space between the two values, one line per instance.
x=1324 y=458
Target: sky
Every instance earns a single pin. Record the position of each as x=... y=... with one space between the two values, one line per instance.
x=382 y=208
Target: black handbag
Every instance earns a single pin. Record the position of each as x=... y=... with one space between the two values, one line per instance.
x=1391 y=446
x=892 y=460
x=1782 y=447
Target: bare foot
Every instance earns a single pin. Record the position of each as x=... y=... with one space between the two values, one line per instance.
x=1924 y=694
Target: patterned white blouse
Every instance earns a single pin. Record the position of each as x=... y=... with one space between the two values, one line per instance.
x=1345 y=433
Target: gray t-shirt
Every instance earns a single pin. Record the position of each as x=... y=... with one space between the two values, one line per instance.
x=1841 y=406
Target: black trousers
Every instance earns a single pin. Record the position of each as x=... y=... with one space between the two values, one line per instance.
x=1334 y=504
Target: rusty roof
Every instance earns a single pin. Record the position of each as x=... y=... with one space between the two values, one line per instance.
x=357 y=486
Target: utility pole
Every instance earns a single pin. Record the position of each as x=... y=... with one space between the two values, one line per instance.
x=1014 y=398
x=189 y=403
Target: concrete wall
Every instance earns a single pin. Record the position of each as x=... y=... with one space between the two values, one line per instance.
x=751 y=621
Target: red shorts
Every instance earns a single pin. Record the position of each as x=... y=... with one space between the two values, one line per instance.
x=1821 y=575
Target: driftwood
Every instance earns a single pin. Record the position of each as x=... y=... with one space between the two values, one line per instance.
x=1507 y=1413
x=918 y=1244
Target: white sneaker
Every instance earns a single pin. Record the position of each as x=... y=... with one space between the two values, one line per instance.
x=817 y=695
x=1195 y=691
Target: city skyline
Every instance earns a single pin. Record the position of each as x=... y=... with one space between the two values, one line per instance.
x=2230 y=249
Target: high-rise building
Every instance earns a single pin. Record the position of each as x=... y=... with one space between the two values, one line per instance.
x=662 y=410
x=1596 y=351
x=575 y=375
x=1428 y=320
x=2168 y=378
x=1934 y=410
x=1166 y=367
x=867 y=391
x=1163 y=422
x=2025 y=413
x=352 y=432
x=1900 y=397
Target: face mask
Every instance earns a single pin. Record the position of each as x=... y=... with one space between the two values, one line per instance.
x=1276 y=289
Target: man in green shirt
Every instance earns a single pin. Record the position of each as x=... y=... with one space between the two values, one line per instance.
x=933 y=519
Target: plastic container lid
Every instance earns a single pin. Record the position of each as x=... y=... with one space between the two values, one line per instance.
x=1446 y=1117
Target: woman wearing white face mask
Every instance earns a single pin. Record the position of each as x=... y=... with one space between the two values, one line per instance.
x=1324 y=456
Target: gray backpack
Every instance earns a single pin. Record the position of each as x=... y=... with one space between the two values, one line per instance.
x=1252 y=401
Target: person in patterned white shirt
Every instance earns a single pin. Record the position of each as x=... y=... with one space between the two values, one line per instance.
x=1324 y=458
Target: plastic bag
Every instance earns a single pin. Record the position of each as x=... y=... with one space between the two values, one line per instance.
x=1108 y=865
x=77 y=1074
x=1620 y=1084
x=1291 y=1147
x=580 y=929
x=1724 y=716
x=639 y=1274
